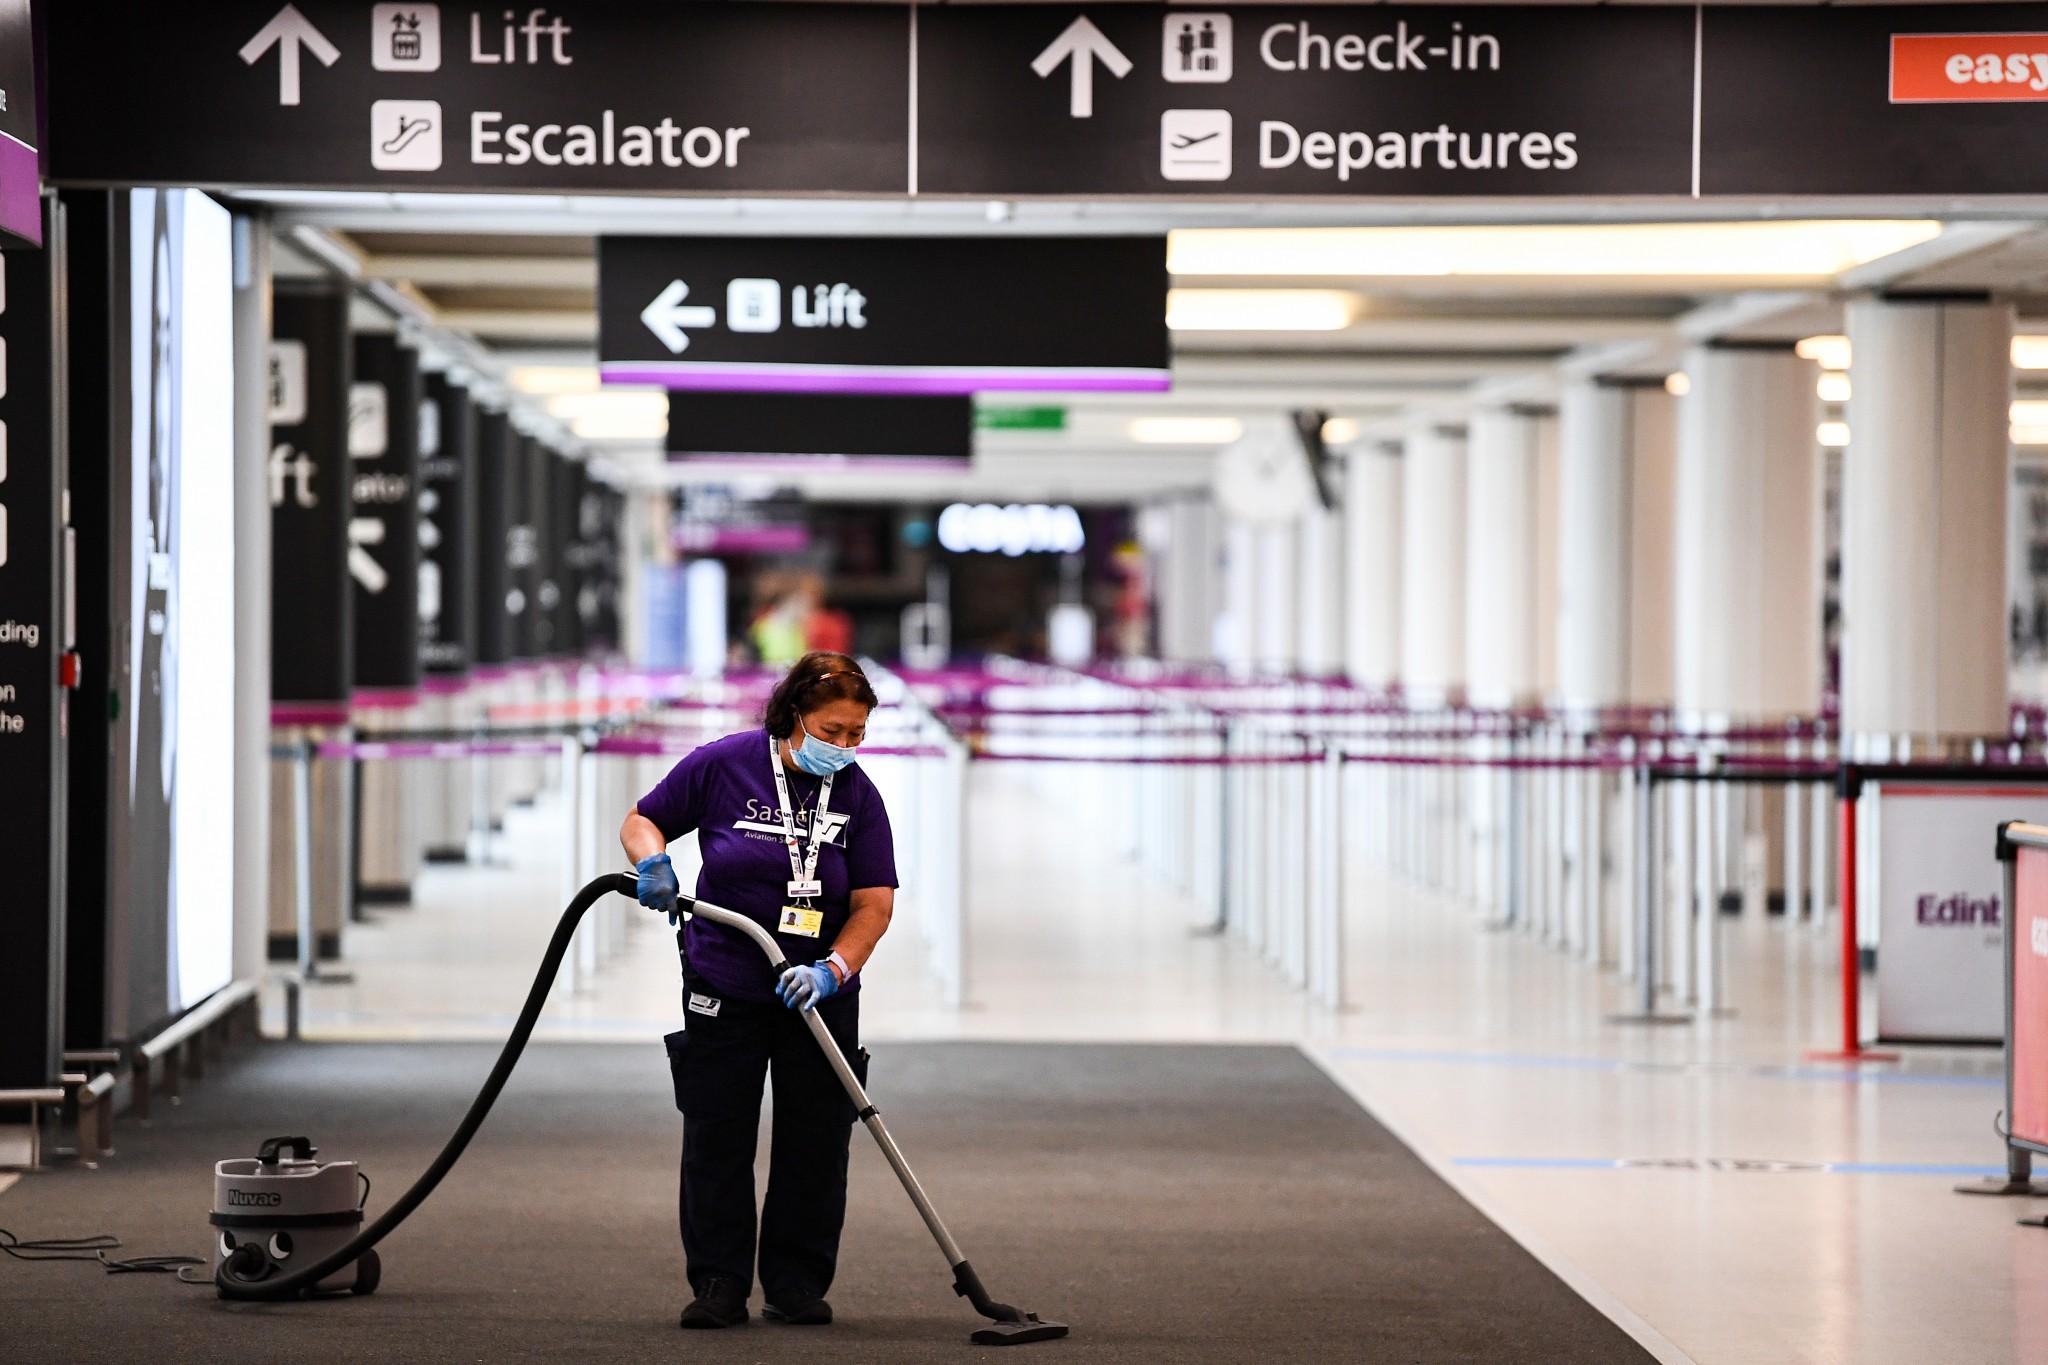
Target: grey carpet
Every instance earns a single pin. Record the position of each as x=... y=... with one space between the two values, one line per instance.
x=1171 y=1203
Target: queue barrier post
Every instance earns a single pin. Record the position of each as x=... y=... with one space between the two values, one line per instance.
x=1847 y=793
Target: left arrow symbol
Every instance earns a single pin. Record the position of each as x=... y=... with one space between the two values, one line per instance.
x=667 y=316
x=288 y=31
x=362 y=565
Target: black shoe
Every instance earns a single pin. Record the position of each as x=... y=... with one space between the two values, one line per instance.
x=816 y=1313
x=722 y=1304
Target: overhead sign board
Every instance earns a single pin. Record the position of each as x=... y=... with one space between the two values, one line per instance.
x=946 y=315
x=769 y=428
x=617 y=97
x=1019 y=99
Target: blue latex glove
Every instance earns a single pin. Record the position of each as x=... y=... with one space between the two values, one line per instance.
x=801 y=988
x=658 y=889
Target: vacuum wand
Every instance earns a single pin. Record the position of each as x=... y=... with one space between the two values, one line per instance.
x=1010 y=1326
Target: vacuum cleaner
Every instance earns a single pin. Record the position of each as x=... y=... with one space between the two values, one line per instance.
x=291 y=1252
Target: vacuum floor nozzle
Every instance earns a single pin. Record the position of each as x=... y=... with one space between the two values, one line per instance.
x=1033 y=1328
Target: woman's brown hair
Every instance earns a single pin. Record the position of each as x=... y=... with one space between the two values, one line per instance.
x=819 y=677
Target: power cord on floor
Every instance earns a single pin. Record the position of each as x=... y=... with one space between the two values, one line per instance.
x=95 y=1248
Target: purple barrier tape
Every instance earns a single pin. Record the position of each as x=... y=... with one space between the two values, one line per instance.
x=384 y=698
x=1156 y=760
x=372 y=750
x=649 y=746
x=309 y=713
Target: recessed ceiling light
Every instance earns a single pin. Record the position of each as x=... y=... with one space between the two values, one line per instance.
x=1803 y=250
x=1184 y=431
x=1260 y=310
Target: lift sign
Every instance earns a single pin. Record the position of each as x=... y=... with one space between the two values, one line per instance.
x=1969 y=68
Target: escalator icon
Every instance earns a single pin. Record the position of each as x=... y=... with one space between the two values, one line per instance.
x=405 y=135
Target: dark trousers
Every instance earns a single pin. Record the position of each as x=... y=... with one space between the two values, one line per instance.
x=719 y=1062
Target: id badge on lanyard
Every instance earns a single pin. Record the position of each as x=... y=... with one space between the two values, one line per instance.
x=800 y=917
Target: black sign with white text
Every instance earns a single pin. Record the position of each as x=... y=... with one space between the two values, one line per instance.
x=448 y=444
x=311 y=623
x=927 y=315
x=656 y=97
x=724 y=424
x=496 y=512
x=717 y=98
x=384 y=527
x=1327 y=100
x=33 y=715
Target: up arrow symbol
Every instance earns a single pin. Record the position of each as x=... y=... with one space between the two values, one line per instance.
x=667 y=316
x=288 y=31
x=1083 y=44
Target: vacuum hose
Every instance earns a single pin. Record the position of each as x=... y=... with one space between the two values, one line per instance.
x=231 y=1283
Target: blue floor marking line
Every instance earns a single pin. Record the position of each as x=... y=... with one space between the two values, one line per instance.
x=1538 y=1061
x=1598 y=1163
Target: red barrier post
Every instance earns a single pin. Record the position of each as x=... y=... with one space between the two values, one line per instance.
x=1852 y=1049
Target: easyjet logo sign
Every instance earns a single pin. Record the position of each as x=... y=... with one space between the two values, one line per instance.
x=1968 y=68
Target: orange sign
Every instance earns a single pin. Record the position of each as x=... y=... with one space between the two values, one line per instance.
x=1969 y=68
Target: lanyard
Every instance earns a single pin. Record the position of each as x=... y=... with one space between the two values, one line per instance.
x=803 y=870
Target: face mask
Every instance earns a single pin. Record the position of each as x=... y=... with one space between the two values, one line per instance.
x=818 y=758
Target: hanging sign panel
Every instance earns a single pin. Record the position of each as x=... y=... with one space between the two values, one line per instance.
x=447 y=536
x=933 y=315
x=1329 y=100
x=497 y=463
x=383 y=529
x=659 y=97
x=767 y=430
x=311 y=632
x=1877 y=99
x=652 y=97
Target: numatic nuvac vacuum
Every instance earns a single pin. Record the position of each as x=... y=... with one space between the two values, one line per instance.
x=282 y=1207
x=245 y=1272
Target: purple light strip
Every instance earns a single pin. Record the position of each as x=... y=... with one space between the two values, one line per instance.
x=21 y=208
x=734 y=377
x=825 y=464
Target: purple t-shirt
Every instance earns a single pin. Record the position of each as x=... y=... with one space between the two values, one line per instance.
x=725 y=790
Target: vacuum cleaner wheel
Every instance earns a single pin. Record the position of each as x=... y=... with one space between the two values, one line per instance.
x=369 y=1273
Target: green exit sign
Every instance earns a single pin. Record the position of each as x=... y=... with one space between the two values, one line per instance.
x=1015 y=417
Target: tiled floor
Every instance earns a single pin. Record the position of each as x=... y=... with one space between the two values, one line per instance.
x=1703 y=1184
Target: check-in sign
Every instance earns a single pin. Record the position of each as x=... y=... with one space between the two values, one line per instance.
x=895 y=315
x=1969 y=68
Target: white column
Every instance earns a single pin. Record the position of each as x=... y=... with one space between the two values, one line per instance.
x=1616 y=502
x=1276 y=625
x=1187 y=589
x=1433 y=563
x=1500 y=558
x=1235 y=642
x=1548 y=552
x=1372 y=565
x=1925 y=486
x=1749 y=557
x=1319 y=650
